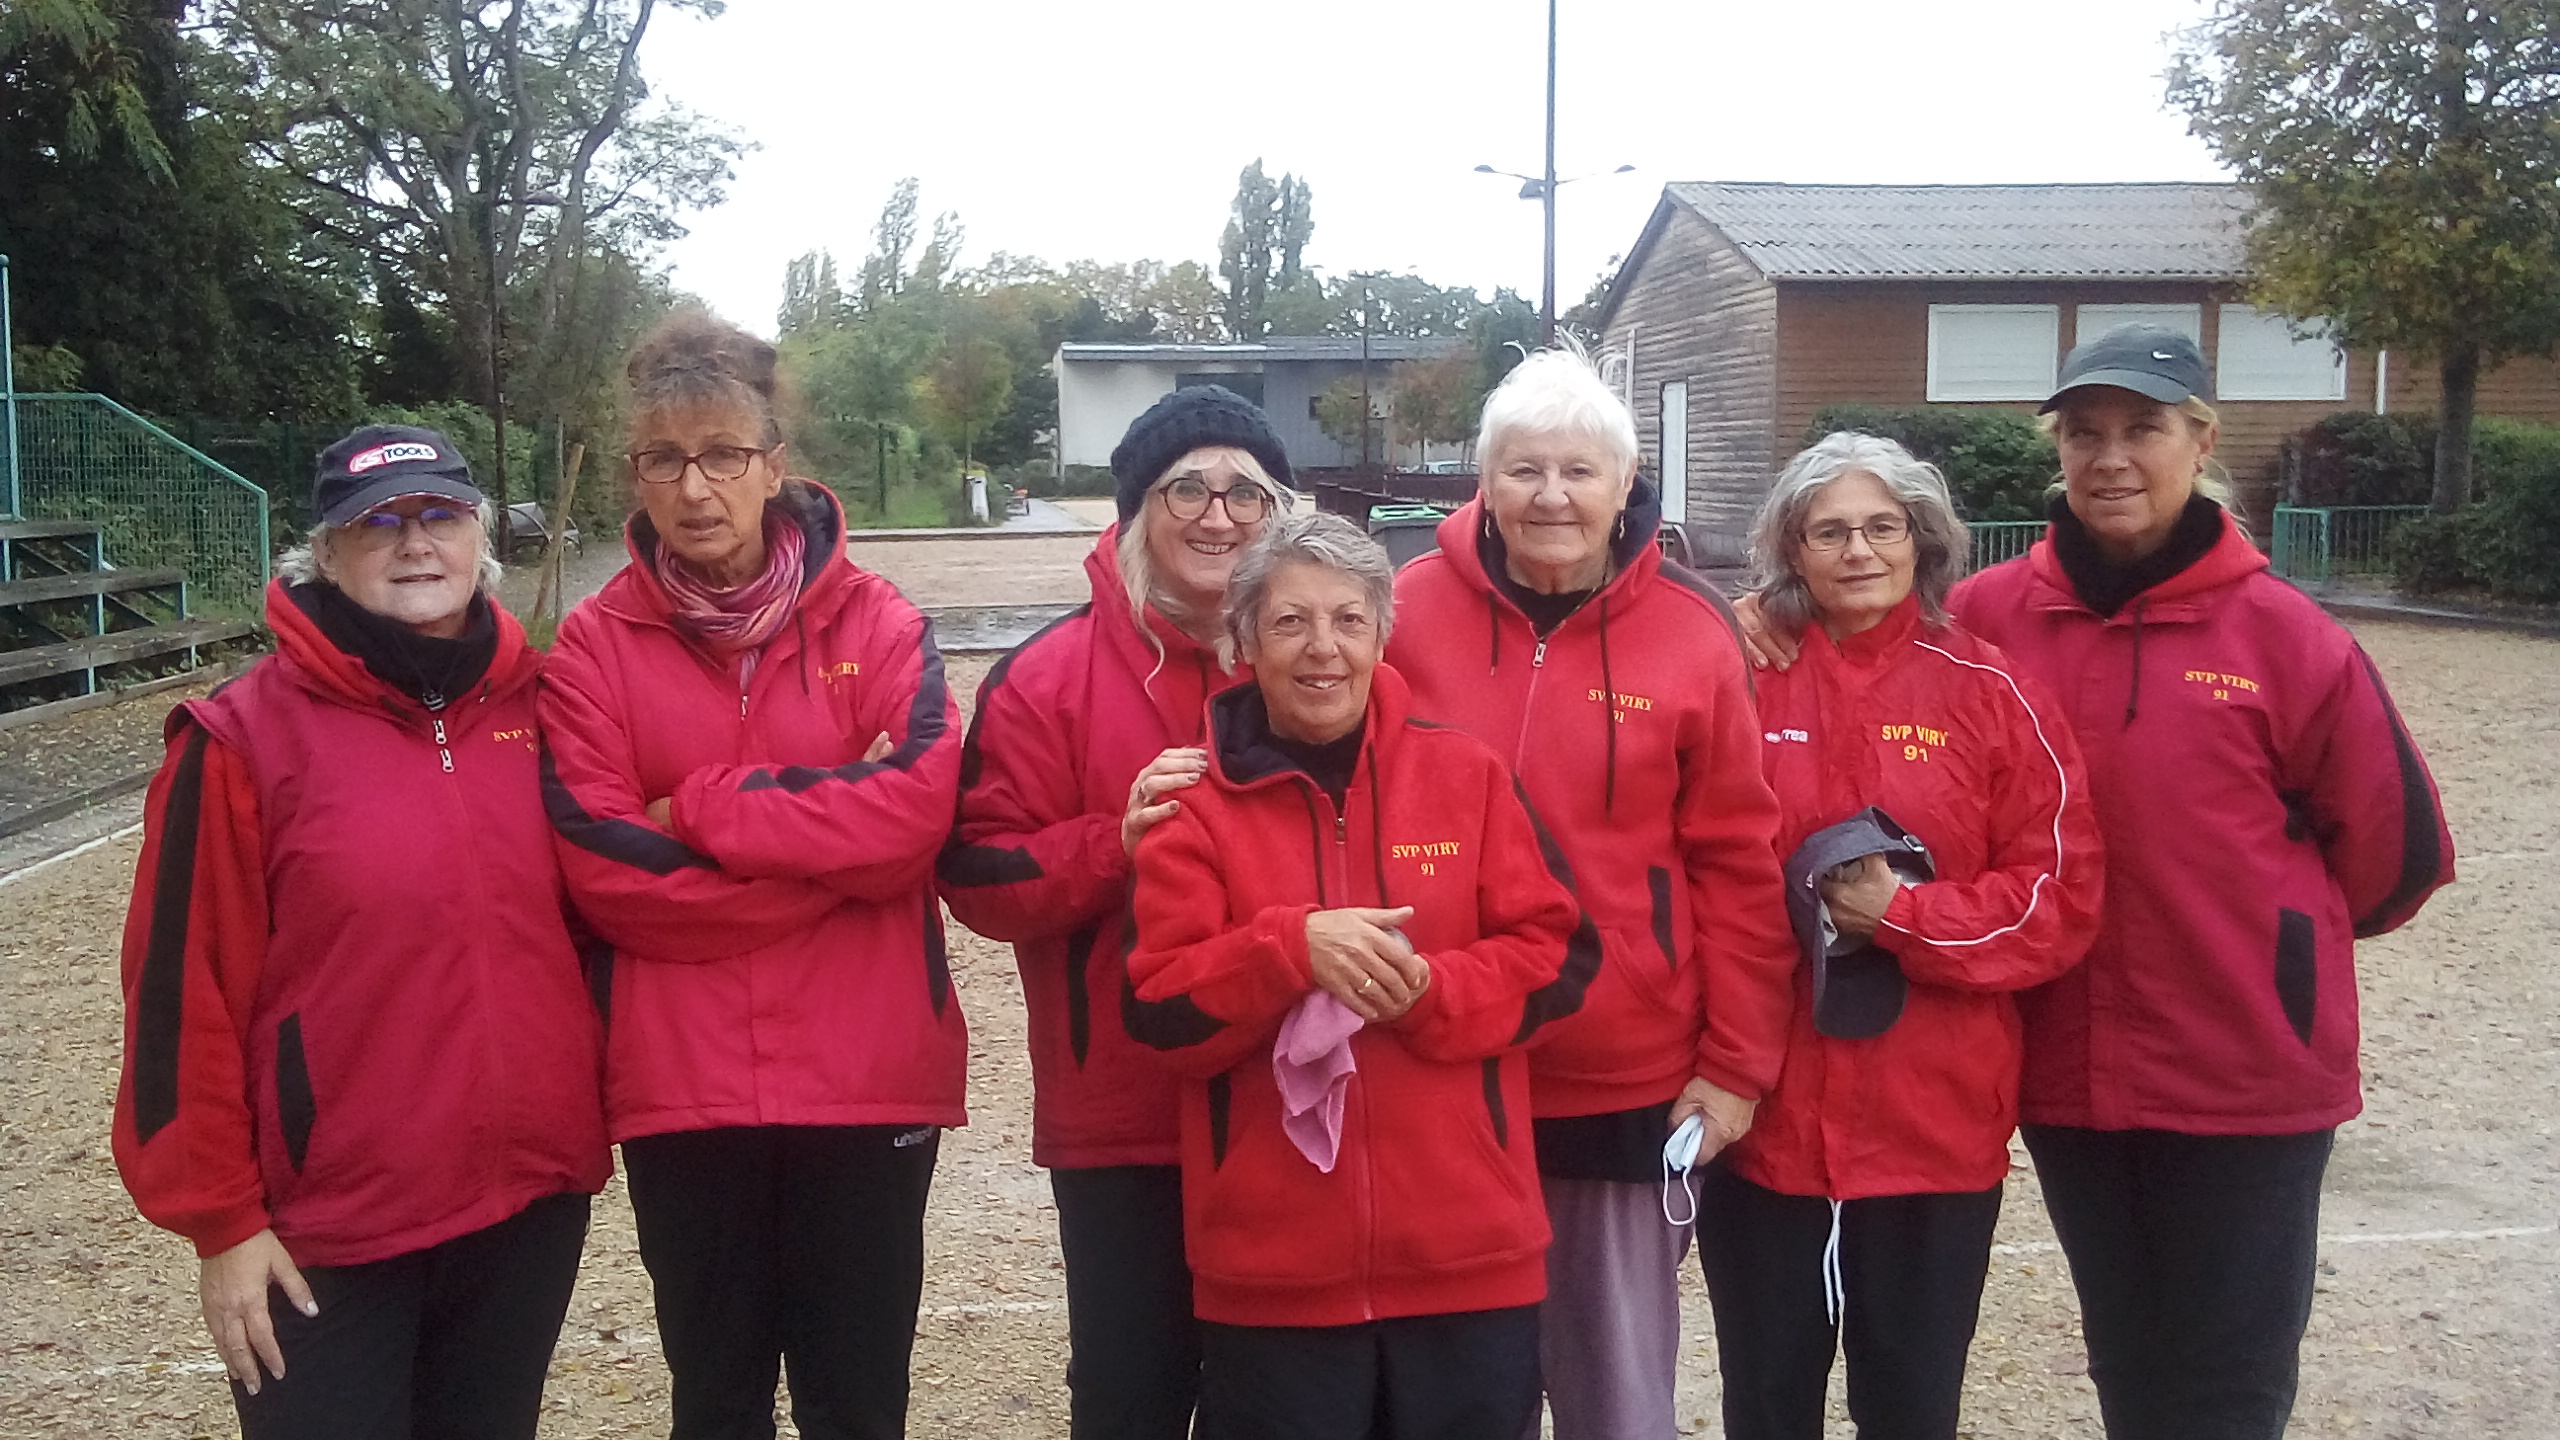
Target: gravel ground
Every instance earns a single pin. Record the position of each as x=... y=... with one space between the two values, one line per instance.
x=2439 y=1278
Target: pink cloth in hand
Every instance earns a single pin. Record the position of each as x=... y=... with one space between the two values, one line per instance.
x=1313 y=1064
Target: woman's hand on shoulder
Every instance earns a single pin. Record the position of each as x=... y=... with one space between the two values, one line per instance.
x=1357 y=955
x=1176 y=769
x=233 y=1286
x=1765 y=648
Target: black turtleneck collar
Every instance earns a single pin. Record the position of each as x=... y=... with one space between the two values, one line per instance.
x=1249 y=749
x=2107 y=587
x=1642 y=516
x=428 y=670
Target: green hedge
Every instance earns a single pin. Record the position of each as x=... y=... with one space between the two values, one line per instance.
x=2359 y=458
x=2508 y=542
x=1997 y=462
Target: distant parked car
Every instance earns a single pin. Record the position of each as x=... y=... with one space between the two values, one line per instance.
x=529 y=530
x=1448 y=467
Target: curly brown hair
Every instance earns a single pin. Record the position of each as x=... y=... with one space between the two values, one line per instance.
x=695 y=358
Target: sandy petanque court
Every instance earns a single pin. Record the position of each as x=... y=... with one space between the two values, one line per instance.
x=2440 y=1271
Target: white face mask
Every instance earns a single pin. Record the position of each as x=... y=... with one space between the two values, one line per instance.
x=1679 y=1153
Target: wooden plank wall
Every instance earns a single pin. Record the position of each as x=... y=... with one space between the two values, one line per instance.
x=1698 y=311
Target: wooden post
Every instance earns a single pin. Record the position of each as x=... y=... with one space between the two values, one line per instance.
x=551 y=594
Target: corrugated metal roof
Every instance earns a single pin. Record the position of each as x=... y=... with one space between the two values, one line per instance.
x=1278 y=347
x=1979 y=232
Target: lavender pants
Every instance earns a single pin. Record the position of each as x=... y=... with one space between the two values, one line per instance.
x=1609 y=1335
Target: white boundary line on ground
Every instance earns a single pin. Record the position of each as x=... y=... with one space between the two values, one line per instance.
x=2404 y=1237
x=83 y=848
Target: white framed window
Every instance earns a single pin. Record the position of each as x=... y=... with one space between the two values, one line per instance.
x=1993 y=352
x=2096 y=320
x=1674 y=449
x=2259 y=359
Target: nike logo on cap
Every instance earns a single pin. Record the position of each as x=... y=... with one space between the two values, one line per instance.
x=2162 y=355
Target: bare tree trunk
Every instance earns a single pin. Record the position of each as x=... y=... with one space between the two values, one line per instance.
x=2461 y=383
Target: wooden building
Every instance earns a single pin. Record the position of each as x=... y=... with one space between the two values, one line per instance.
x=1746 y=308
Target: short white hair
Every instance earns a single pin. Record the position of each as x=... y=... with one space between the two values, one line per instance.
x=305 y=563
x=1557 y=392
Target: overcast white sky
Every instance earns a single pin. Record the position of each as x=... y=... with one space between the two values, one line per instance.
x=1114 y=131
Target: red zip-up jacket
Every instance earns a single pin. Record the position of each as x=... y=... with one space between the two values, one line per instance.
x=1938 y=730
x=1063 y=726
x=371 y=1048
x=1432 y=1206
x=779 y=955
x=1630 y=726
x=2263 y=806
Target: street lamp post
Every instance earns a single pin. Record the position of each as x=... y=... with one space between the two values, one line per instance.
x=9 y=386
x=1542 y=188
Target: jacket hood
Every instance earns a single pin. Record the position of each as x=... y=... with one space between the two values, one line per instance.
x=1171 y=649
x=1238 y=718
x=320 y=667
x=2233 y=557
x=634 y=593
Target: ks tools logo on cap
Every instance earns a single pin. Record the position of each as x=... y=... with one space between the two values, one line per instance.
x=379 y=455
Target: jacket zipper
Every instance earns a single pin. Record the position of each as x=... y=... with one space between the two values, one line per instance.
x=1368 y=1177
x=1528 y=706
x=444 y=747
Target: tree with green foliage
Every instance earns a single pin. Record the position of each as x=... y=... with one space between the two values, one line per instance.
x=884 y=271
x=2405 y=161
x=464 y=145
x=144 y=246
x=1436 y=401
x=811 y=299
x=1263 y=248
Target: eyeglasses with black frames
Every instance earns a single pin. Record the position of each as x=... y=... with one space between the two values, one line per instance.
x=720 y=464
x=1188 y=498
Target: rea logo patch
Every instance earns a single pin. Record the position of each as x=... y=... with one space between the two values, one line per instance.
x=392 y=454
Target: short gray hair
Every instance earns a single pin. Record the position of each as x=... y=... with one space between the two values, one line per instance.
x=1937 y=532
x=1556 y=392
x=301 y=565
x=1319 y=539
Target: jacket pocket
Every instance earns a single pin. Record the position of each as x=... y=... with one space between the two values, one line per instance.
x=295 y=1108
x=1658 y=881
x=2297 y=971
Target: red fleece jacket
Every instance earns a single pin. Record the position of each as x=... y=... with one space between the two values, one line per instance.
x=2263 y=806
x=1433 y=1206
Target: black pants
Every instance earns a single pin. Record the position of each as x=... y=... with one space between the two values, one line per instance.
x=2193 y=1256
x=785 y=1243
x=1911 y=1269
x=446 y=1343
x=1133 y=1367
x=1468 y=1376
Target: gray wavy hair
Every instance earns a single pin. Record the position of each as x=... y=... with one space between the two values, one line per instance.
x=1938 y=535
x=1317 y=539
x=308 y=561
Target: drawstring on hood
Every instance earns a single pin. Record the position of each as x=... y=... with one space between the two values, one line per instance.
x=2107 y=587
x=1608 y=712
x=2133 y=696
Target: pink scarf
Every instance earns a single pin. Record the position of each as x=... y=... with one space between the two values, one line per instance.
x=1313 y=1066
x=730 y=621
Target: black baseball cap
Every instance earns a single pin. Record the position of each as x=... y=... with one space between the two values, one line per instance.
x=385 y=462
x=2148 y=360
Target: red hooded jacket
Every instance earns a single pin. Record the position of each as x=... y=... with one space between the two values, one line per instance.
x=1932 y=726
x=371 y=1048
x=779 y=957
x=1063 y=726
x=1432 y=1206
x=2263 y=807
x=1630 y=727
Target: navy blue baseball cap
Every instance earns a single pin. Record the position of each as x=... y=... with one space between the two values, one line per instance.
x=2145 y=359
x=385 y=462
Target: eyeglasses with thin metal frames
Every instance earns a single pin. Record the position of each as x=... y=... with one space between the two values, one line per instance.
x=376 y=529
x=1881 y=534
x=720 y=464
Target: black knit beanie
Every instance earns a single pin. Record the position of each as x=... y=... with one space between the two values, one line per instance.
x=1186 y=420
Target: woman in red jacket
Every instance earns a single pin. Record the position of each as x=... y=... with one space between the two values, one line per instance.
x=1858 y=1211
x=751 y=764
x=1549 y=626
x=363 y=1079
x=1081 y=734
x=1343 y=937
x=2264 y=808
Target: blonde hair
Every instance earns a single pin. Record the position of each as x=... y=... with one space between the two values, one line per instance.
x=1138 y=578
x=2213 y=482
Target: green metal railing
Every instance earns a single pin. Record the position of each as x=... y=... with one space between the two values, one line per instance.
x=2317 y=543
x=1998 y=540
x=156 y=500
